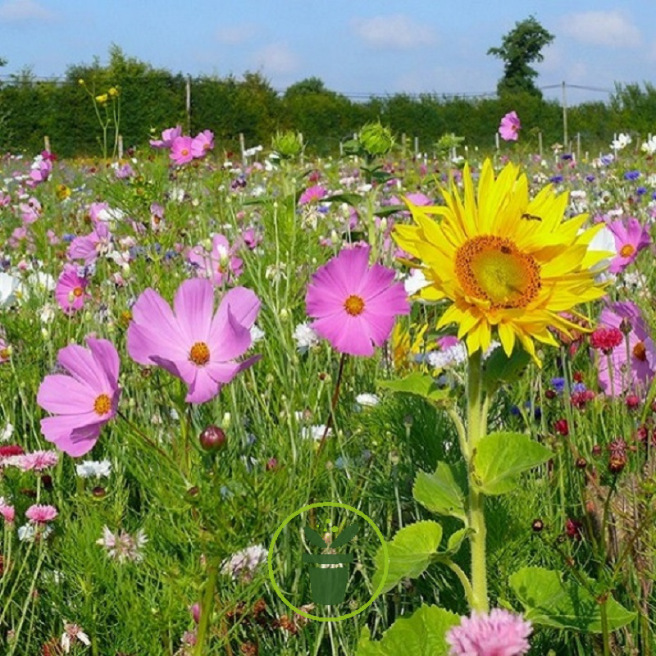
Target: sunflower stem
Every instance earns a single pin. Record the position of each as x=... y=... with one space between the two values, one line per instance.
x=476 y=430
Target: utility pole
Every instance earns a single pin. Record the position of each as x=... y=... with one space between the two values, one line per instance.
x=188 y=103
x=565 y=135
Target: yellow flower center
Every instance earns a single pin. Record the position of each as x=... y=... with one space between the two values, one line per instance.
x=354 y=305
x=184 y=152
x=102 y=405
x=78 y=292
x=493 y=269
x=200 y=353
x=627 y=250
x=4 y=354
x=640 y=352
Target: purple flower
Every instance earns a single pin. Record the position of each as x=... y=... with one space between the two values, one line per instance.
x=509 y=127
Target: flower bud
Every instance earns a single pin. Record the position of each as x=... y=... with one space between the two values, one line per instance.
x=213 y=438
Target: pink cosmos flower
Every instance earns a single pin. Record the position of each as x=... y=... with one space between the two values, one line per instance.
x=630 y=238
x=168 y=136
x=69 y=291
x=641 y=357
x=219 y=265
x=89 y=247
x=312 y=195
x=190 y=341
x=7 y=511
x=5 y=351
x=355 y=305
x=202 y=143
x=41 y=514
x=40 y=171
x=181 y=151
x=37 y=460
x=30 y=211
x=501 y=633
x=84 y=399
x=509 y=127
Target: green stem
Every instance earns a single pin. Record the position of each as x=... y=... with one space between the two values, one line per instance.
x=462 y=577
x=206 y=607
x=604 y=626
x=477 y=428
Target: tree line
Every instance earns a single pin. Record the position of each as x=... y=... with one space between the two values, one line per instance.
x=70 y=111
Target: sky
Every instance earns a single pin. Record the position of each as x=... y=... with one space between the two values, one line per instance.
x=356 y=47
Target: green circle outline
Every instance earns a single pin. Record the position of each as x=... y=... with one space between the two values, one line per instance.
x=357 y=611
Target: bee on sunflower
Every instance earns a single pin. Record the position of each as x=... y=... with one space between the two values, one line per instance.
x=503 y=273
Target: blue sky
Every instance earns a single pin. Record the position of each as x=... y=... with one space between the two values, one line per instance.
x=354 y=46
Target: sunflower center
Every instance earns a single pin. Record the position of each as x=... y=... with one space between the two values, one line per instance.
x=640 y=352
x=354 y=305
x=493 y=269
x=627 y=250
x=200 y=353
x=102 y=405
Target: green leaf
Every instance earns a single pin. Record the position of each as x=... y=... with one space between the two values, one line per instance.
x=314 y=538
x=455 y=541
x=421 y=634
x=410 y=553
x=347 y=534
x=416 y=383
x=349 y=199
x=500 y=458
x=390 y=209
x=564 y=605
x=440 y=493
x=500 y=369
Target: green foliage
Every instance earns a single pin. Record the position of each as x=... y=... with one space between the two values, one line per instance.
x=440 y=493
x=417 y=383
x=422 y=634
x=500 y=459
x=410 y=553
x=550 y=601
x=519 y=48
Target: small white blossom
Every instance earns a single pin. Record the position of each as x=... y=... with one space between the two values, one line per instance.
x=244 y=563
x=622 y=141
x=367 y=400
x=305 y=337
x=257 y=334
x=94 y=469
x=7 y=432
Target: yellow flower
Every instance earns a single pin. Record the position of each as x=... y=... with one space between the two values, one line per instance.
x=113 y=92
x=62 y=192
x=102 y=99
x=405 y=345
x=81 y=82
x=507 y=263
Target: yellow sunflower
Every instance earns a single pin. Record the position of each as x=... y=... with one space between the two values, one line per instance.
x=507 y=263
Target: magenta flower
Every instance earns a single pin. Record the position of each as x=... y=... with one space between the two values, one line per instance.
x=84 y=399
x=181 y=151
x=219 y=265
x=312 y=195
x=69 y=291
x=168 y=136
x=501 y=633
x=355 y=305
x=630 y=238
x=5 y=351
x=190 y=341
x=509 y=127
x=202 y=143
x=641 y=356
x=41 y=514
x=89 y=247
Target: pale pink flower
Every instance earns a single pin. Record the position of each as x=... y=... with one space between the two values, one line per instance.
x=73 y=633
x=122 y=546
x=501 y=633
x=168 y=136
x=41 y=514
x=509 y=127
x=220 y=265
x=7 y=511
x=202 y=143
x=181 y=151
x=37 y=460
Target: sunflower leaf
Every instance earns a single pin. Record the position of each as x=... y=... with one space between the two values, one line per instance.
x=499 y=369
x=421 y=634
x=419 y=384
x=500 y=458
x=410 y=552
x=550 y=601
x=440 y=493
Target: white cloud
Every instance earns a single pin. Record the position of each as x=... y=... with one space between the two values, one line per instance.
x=236 y=34
x=277 y=58
x=603 y=28
x=394 y=32
x=23 y=10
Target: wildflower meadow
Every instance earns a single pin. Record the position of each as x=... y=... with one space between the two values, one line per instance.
x=430 y=377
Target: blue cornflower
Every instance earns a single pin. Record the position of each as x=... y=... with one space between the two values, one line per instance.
x=556 y=179
x=558 y=384
x=632 y=175
x=641 y=191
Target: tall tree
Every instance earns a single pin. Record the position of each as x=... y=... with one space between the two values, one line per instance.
x=520 y=47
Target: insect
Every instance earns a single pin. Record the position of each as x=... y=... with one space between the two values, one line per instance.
x=531 y=217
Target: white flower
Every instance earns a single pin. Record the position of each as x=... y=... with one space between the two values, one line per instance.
x=122 y=546
x=110 y=215
x=27 y=532
x=315 y=433
x=622 y=141
x=73 y=633
x=256 y=334
x=7 y=432
x=367 y=400
x=305 y=337
x=94 y=469
x=250 y=152
x=47 y=313
x=448 y=357
x=415 y=281
x=244 y=563
x=41 y=281
x=8 y=288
